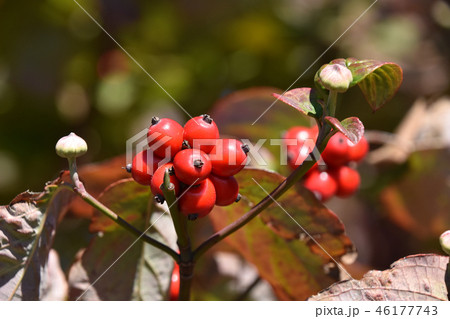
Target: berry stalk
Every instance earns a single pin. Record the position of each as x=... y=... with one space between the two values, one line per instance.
x=186 y=260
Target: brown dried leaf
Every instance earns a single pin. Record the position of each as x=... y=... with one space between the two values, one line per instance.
x=27 y=229
x=413 y=278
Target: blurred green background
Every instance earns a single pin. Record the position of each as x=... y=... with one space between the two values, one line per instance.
x=60 y=73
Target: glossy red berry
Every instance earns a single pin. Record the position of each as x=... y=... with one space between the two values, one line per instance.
x=158 y=180
x=198 y=200
x=358 y=151
x=321 y=183
x=165 y=135
x=300 y=141
x=336 y=151
x=347 y=180
x=174 y=291
x=228 y=157
x=298 y=133
x=227 y=189
x=201 y=133
x=144 y=165
x=314 y=131
x=191 y=166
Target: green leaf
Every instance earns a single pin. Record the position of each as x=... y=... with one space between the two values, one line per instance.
x=27 y=228
x=285 y=256
x=413 y=278
x=142 y=272
x=378 y=81
x=303 y=99
x=351 y=127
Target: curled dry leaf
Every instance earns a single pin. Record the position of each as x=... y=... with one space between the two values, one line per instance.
x=27 y=229
x=413 y=278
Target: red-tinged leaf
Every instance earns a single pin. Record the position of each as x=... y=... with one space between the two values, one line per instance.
x=351 y=127
x=255 y=115
x=340 y=61
x=27 y=230
x=378 y=81
x=143 y=272
x=303 y=99
x=293 y=263
x=413 y=278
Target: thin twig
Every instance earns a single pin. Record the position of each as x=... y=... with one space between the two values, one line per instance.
x=88 y=198
x=243 y=295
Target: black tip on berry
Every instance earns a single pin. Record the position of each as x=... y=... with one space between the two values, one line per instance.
x=207 y=118
x=128 y=168
x=245 y=148
x=155 y=120
x=159 y=199
x=192 y=216
x=238 y=198
x=185 y=145
x=198 y=163
x=171 y=171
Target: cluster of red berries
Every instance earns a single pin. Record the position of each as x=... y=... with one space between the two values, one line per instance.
x=337 y=178
x=200 y=164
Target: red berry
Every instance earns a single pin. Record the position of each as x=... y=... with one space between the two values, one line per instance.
x=228 y=157
x=356 y=152
x=227 y=189
x=297 y=133
x=144 y=165
x=321 y=183
x=336 y=151
x=191 y=166
x=198 y=201
x=300 y=141
x=201 y=133
x=158 y=180
x=174 y=292
x=296 y=155
x=347 y=180
x=165 y=135
x=314 y=132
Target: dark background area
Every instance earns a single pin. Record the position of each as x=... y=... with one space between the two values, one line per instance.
x=60 y=73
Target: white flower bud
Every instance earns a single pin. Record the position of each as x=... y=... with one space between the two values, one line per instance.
x=71 y=146
x=445 y=242
x=336 y=77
